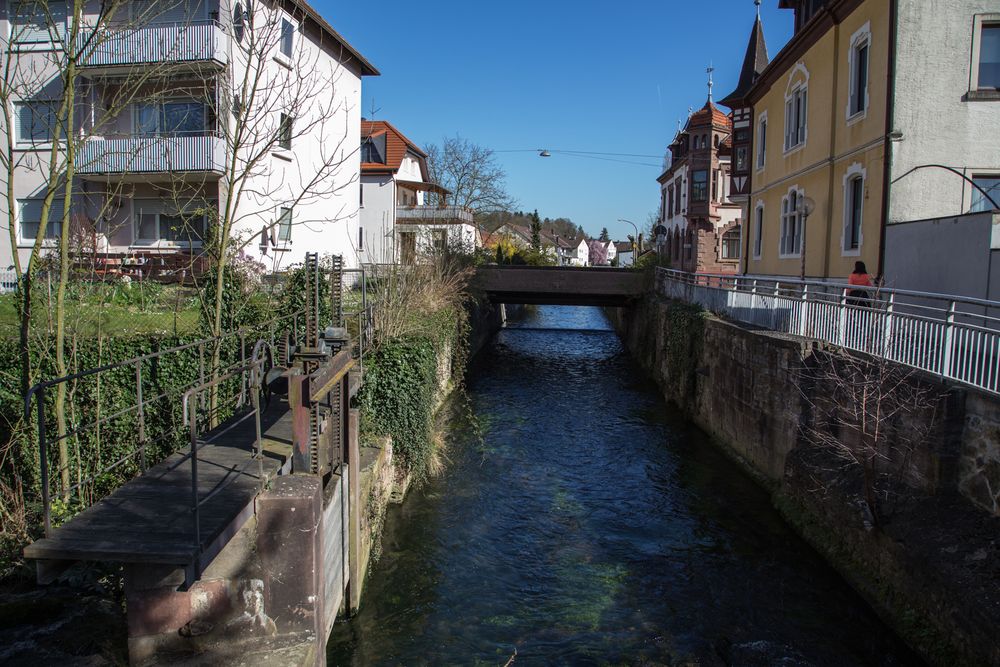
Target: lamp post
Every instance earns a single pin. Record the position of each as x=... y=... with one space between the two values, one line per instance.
x=805 y=208
x=635 y=239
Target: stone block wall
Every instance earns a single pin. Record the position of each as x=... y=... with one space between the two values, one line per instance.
x=979 y=467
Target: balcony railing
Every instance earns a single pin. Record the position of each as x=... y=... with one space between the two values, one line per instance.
x=152 y=155
x=433 y=214
x=185 y=42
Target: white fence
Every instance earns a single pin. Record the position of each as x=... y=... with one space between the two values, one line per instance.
x=955 y=337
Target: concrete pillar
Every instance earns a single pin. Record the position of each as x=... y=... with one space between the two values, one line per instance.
x=289 y=548
x=355 y=579
x=160 y=614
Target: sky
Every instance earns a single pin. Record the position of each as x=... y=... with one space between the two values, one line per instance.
x=595 y=76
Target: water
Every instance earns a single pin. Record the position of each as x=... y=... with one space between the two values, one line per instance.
x=592 y=525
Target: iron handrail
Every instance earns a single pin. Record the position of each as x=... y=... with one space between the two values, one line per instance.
x=37 y=392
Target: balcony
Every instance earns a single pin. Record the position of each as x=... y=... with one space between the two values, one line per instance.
x=142 y=155
x=433 y=215
x=191 y=42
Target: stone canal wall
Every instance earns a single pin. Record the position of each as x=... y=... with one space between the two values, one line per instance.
x=928 y=558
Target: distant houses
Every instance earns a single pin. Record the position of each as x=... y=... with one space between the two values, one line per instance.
x=398 y=219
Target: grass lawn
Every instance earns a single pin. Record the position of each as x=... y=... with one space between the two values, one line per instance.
x=110 y=309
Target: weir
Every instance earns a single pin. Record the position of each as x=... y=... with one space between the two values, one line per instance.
x=251 y=533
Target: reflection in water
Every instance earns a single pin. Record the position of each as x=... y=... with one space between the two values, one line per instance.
x=592 y=525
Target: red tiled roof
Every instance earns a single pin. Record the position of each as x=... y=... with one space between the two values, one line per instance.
x=396 y=147
x=710 y=115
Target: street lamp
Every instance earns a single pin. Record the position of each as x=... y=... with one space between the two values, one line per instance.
x=805 y=209
x=635 y=239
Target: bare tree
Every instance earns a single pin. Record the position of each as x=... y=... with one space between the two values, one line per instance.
x=866 y=416
x=472 y=174
x=47 y=106
x=282 y=92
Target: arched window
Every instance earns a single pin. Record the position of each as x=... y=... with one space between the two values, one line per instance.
x=239 y=22
x=690 y=244
x=677 y=243
x=716 y=141
x=731 y=244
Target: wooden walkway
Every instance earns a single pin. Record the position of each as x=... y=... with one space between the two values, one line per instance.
x=149 y=520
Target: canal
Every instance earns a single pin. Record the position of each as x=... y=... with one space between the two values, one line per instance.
x=590 y=524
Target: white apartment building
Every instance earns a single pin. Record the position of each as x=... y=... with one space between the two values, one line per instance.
x=398 y=221
x=190 y=115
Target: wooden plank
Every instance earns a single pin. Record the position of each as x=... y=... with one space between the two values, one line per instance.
x=92 y=550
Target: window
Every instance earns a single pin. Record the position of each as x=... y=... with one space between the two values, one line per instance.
x=858 y=63
x=699 y=185
x=239 y=22
x=731 y=244
x=677 y=193
x=663 y=204
x=670 y=199
x=854 y=208
x=36 y=21
x=285 y=132
x=287 y=35
x=284 y=224
x=758 y=230
x=761 y=142
x=373 y=149
x=36 y=121
x=796 y=111
x=361 y=238
x=172 y=118
x=791 y=225
x=31 y=218
x=156 y=220
x=715 y=185
x=992 y=186
x=989 y=57
x=741 y=159
x=439 y=240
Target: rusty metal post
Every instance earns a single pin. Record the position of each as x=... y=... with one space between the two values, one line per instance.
x=298 y=402
x=353 y=456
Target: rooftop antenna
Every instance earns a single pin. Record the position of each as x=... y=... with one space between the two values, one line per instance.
x=373 y=110
x=710 y=83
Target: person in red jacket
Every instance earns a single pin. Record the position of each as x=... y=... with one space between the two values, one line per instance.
x=859 y=278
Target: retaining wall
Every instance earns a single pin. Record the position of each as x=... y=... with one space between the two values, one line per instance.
x=929 y=561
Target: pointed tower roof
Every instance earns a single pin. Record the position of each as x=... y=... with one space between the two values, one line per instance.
x=753 y=64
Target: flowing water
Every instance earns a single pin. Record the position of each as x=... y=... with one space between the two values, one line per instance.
x=593 y=525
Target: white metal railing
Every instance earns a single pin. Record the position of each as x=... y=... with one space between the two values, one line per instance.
x=955 y=337
x=431 y=214
x=166 y=42
x=152 y=154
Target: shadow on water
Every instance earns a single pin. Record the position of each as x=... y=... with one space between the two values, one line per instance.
x=593 y=525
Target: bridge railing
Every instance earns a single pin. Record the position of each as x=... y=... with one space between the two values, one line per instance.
x=957 y=338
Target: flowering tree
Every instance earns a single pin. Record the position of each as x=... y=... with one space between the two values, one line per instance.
x=598 y=253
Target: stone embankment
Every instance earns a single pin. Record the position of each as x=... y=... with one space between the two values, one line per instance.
x=928 y=558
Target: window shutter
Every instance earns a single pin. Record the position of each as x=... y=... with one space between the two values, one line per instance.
x=803 y=114
x=789 y=123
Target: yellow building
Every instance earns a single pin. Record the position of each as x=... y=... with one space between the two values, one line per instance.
x=819 y=143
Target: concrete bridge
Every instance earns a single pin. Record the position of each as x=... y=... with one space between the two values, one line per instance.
x=560 y=285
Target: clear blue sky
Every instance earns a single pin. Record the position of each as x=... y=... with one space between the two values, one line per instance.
x=588 y=76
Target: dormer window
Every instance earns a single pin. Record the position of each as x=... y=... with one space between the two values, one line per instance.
x=373 y=149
